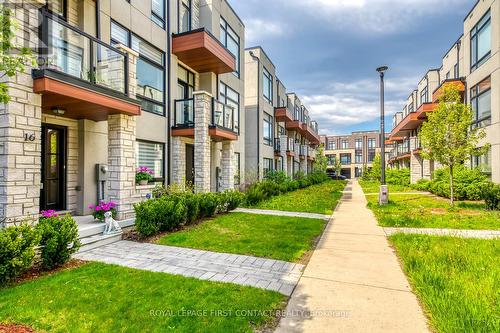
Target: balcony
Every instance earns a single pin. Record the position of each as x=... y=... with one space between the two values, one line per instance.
x=311 y=154
x=290 y=147
x=201 y=51
x=277 y=147
x=80 y=74
x=295 y=125
x=412 y=121
x=458 y=83
x=303 y=153
x=283 y=114
x=222 y=123
x=310 y=131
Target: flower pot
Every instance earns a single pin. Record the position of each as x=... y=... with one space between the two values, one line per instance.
x=143 y=182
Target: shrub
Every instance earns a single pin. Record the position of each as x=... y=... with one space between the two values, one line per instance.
x=146 y=217
x=231 y=200
x=276 y=176
x=422 y=185
x=192 y=202
x=209 y=203
x=58 y=240
x=491 y=196
x=254 y=195
x=398 y=177
x=469 y=183
x=17 y=250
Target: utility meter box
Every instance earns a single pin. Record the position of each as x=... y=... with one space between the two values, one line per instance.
x=102 y=172
x=383 y=198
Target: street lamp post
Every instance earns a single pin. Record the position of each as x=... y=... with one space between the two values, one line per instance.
x=384 y=191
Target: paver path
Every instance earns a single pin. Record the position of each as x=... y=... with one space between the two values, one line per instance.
x=353 y=282
x=481 y=234
x=263 y=273
x=281 y=213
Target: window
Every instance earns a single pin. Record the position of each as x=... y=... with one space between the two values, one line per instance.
x=345 y=144
x=480 y=41
x=456 y=71
x=184 y=18
x=268 y=166
x=359 y=143
x=371 y=156
x=151 y=155
x=150 y=69
x=231 y=41
x=371 y=143
x=345 y=159
x=230 y=97
x=281 y=130
x=331 y=159
x=268 y=86
x=57 y=7
x=279 y=164
x=237 y=169
x=411 y=108
x=481 y=103
x=483 y=162
x=331 y=145
x=359 y=157
x=158 y=12
x=424 y=95
x=448 y=75
x=268 y=129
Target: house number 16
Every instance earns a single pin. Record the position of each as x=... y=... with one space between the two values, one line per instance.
x=29 y=137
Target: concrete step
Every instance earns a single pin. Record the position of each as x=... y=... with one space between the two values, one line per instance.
x=94 y=241
x=92 y=229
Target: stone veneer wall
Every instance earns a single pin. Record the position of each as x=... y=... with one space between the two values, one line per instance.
x=227 y=166
x=178 y=160
x=202 y=107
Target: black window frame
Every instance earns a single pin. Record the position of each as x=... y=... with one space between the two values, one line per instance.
x=64 y=16
x=160 y=21
x=266 y=75
x=225 y=27
x=237 y=173
x=180 y=3
x=475 y=94
x=164 y=159
x=268 y=141
x=476 y=63
x=271 y=165
x=370 y=140
x=223 y=98
x=163 y=67
x=424 y=95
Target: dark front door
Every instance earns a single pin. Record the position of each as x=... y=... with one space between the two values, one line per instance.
x=53 y=190
x=190 y=164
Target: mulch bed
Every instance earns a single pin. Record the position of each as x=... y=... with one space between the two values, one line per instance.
x=14 y=328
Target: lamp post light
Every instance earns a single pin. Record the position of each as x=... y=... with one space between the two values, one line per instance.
x=383 y=198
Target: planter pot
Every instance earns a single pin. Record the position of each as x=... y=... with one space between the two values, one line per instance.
x=143 y=182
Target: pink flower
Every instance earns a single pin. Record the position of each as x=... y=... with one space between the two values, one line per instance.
x=49 y=213
x=98 y=208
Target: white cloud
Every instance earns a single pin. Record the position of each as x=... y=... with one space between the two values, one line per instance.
x=258 y=30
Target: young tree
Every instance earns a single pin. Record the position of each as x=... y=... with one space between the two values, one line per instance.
x=13 y=59
x=321 y=160
x=448 y=136
x=337 y=167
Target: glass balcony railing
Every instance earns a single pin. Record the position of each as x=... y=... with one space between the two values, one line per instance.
x=290 y=145
x=277 y=145
x=223 y=115
x=184 y=113
x=72 y=52
x=303 y=150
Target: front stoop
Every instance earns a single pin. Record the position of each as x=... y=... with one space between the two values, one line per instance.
x=91 y=235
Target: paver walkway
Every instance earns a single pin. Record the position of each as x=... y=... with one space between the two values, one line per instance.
x=481 y=234
x=353 y=282
x=263 y=273
x=281 y=213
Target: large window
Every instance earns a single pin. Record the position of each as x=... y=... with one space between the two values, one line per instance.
x=480 y=42
x=359 y=157
x=481 y=103
x=184 y=18
x=268 y=86
x=424 y=95
x=371 y=156
x=231 y=41
x=150 y=69
x=151 y=155
x=331 y=145
x=268 y=129
x=230 y=97
x=371 y=143
x=345 y=144
x=268 y=166
x=359 y=143
x=345 y=159
x=237 y=169
x=330 y=159
x=483 y=162
x=158 y=12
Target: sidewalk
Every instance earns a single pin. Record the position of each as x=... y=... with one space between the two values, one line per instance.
x=353 y=282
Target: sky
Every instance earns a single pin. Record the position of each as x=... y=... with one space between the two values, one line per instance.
x=327 y=51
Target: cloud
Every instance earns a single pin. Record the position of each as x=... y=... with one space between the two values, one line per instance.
x=258 y=29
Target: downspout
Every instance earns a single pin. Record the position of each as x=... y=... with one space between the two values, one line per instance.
x=459 y=45
x=169 y=108
x=258 y=113
x=98 y=19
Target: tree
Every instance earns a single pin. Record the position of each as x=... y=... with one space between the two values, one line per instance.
x=13 y=59
x=321 y=160
x=448 y=136
x=337 y=166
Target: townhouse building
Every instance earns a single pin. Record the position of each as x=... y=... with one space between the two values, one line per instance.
x=355 y=151
x=472 y=64
x=280 y=134
x=120 y=84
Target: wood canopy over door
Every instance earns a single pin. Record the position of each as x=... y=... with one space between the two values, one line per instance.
x=53 y=191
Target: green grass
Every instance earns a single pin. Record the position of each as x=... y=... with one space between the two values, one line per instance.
x=457 y=280
x=105 y=298
x=374 y=187
x=426 y=211
x=276 y=237
x=320 y=199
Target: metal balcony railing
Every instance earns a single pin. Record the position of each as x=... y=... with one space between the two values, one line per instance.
x=184 y=113
x=222 y=115
x=290 y=145
x=67 y=50
x=277 y=145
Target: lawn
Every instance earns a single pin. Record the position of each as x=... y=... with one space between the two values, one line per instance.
x=105 y=298
x=374 y=187
x=427 y=211
x=321 y=199
x=457 y=280
x=275 y=237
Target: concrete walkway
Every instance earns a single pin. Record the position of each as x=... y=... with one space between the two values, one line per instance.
x=262 y=273
x=480 y=234
x=281 y=213
x=353 y=282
